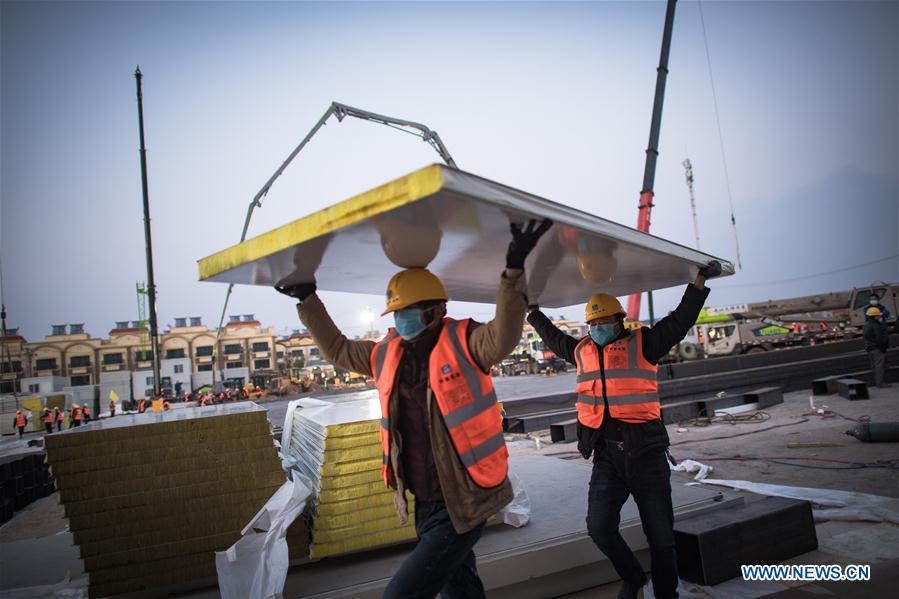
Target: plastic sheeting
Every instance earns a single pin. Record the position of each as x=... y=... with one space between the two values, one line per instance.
x=67 y=588
x=691 y=466
x=256 y=565
x=827 y=504
x=518 y=512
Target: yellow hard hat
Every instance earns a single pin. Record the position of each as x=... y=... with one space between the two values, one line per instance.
x=411 y=286
x=872 y=311
x=600 y=305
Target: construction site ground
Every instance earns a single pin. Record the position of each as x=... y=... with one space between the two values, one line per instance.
x=35 y=547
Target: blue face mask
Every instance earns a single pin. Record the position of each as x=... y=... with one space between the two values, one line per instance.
x=874 y=302
x=408 y=323
x=603 y=333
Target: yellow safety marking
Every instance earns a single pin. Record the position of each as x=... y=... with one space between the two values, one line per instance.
x=405 y=190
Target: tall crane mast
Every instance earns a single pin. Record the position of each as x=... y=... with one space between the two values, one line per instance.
x=652 y=153
x=688 y=167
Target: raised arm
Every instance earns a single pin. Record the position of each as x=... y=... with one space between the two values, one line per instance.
x=673 y=328
x=560 y=343
x=344 y=353
x=492 y=342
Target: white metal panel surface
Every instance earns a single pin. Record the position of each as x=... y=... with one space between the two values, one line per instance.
x=457 y=224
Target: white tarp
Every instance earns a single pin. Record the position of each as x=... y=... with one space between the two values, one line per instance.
x=518 y=512
x=256 y=565
x=827 y=504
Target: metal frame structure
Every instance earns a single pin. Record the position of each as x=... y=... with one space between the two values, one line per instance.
x=341 y=111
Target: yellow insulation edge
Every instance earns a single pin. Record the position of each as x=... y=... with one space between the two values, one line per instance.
x=405 y=190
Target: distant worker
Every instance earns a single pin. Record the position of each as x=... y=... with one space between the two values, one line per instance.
x=75 y=416
x=86 y=412
x=258 y=393
x=228 y=394
x=111 y=408
x=876 y=343
x=20 y=422
x=59 y=418
x=47 y=417
x=142 y=406
x=619 y=422
x=874 y=302
x=461 y=479
x=166 y=405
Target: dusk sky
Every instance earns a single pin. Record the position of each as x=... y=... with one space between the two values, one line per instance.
x=552 y=98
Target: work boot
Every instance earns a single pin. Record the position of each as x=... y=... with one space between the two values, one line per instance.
x=630 y=590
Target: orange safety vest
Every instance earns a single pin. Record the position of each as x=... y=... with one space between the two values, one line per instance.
x=48 y=417
x=20 y=420
x=59 y=416
x=464 y=394
x=76 y=414
x=141 y=406
x=87 y=411
x=632 y=388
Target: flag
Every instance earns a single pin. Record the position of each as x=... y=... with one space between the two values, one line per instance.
x=113 y=396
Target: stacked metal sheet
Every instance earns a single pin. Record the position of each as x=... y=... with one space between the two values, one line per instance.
x=150 y=497
x=337 y=448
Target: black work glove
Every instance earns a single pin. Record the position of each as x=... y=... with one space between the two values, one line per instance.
x=524 y=240
x=586 y=440
x=711 y=270
x=300 y=291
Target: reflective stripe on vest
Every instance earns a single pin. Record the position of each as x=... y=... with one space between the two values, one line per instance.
x=384 y=371
x=20 y=420
x=464 y=396
x=59 y=417
x=631 y=387
x=48 y=417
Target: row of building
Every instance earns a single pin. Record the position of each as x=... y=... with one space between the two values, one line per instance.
x=190 y=355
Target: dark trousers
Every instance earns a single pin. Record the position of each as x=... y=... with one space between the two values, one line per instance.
x=59 y=425
x=648 y=478
x=49 y=427
x=442 y=561
x=878 y=360
x=21 y=430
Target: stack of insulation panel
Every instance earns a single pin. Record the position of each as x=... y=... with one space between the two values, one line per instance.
x=150 y=497
x=337 y=448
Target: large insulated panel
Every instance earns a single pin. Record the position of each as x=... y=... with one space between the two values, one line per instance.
x=151 y=497
x=456 y=224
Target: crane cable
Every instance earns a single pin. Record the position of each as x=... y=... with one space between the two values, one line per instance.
x=733 y=220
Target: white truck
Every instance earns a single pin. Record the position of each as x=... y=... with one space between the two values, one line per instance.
x=762 y=326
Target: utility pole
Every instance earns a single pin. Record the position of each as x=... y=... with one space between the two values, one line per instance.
x=151 y=285
x=689 y=173
x=652 y=153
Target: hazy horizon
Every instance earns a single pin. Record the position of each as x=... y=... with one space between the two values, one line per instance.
x=552 y=98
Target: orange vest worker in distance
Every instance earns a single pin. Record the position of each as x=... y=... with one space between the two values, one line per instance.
x=48 y=420
x=20 y=421
x=59 y=418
